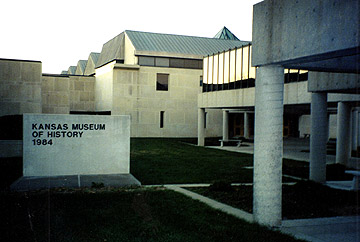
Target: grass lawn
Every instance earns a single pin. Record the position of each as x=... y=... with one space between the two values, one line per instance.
x=303 y=200
x=168 y=161
x=120 y=215
x=153 y=214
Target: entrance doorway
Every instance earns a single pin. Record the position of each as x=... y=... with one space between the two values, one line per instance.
x=237 y=124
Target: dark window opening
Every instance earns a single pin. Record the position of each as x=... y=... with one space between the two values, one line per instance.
x=162 y=82
x=205 y=117
x=162 y=119
x=170 y=62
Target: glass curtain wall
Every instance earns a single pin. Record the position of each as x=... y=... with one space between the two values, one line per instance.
x=232 y=70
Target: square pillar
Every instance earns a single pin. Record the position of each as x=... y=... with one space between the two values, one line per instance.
x=318 y=136
x=201 y=127
x=268 y=149
x=343 y=133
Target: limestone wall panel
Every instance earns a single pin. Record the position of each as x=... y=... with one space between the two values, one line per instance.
x=20 y=83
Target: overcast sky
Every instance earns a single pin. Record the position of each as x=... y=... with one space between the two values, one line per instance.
x=60 y=32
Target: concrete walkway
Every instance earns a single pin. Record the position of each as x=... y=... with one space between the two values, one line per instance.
x=293 y=149
x=76 y=181
x=332 y=229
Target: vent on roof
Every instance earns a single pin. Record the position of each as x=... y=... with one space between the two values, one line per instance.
x=225 y=33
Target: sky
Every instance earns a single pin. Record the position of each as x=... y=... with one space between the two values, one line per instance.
x=60 y=32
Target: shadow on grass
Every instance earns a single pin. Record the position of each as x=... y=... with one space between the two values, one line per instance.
x=305 y=199
x=10 y=170
x=120 y=215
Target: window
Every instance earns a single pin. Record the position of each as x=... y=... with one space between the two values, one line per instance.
x=162 y=62
x=162 y=119
x=201 y=81
x=170 y=62
x=180 y=63
x=146 y=61
x=162 y=82
x=205 y=118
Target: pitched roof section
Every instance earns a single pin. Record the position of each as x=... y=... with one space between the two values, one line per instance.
x=180 y=44
x=72 y=70
x=94 y=56
x=164 y=44
x=112 y=50
x=64 y=73
x=225 y=33
x=91 y=63
x=80 y=68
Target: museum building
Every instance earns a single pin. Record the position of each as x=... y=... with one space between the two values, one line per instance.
x=171 y=86
x=154 y=78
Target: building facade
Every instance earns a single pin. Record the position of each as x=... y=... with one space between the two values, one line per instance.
x=229 y=85
x=154 y=78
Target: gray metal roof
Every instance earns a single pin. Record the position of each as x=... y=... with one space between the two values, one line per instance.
x=82 y=65
x=180 y=44
x=111 y=50
x=94 y=56
x=165 y=43
x=72 y=70
x=91 y=63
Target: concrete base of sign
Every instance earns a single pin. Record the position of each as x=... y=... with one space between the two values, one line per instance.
x=31 y=183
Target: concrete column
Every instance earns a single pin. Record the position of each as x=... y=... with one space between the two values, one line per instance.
x=318 y=137
x=201 y=127
x=268 y=150
x=225 y=125
x=343 y=132
x=246 y=125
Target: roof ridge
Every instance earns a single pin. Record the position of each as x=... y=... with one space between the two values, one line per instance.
x=190 y=36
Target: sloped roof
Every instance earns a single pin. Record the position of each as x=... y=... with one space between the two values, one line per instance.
x=111 y=50
x=94 y=56
x=72 y=70
x=91 y=63
x=81 y=65
x=225 y=33
x=180 y=44
x=165 y=43
x=64 y=72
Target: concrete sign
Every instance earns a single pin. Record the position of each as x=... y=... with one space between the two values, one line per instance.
x=56 y=145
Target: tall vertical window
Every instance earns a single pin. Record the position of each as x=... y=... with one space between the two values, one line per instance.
x=162 y=119
x=205 y=117
x=162 y=82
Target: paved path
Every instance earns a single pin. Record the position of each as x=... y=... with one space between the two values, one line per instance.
x=35 y=183
x=293 y=149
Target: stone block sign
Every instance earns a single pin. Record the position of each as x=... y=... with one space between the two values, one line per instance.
x=57 y=145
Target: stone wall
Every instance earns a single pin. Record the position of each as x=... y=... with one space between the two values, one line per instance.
x=135 y=94
x=62 y=94
x=20 y=87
